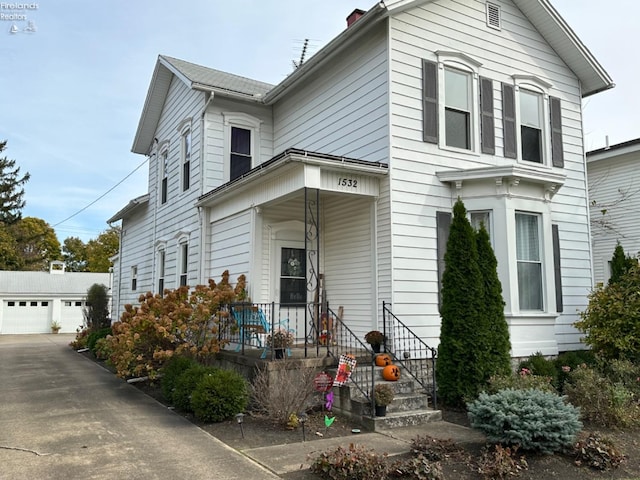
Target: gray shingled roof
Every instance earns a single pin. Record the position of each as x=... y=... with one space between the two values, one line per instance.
x=43 y=283
x=210 y=77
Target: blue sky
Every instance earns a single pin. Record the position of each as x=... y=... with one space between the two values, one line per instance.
x=71 y=92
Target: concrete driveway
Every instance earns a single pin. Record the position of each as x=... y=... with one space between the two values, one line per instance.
x=65 y=417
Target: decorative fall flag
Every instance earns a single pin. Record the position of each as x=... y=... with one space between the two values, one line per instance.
x=346 y=365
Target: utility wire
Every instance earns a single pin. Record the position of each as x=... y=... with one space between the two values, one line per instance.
x=103 y=195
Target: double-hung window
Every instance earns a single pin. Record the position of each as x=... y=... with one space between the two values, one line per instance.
x=184 y=263
x=457 y=108
x=242 y=143
x=240 y=161
x=457 y=104
x=529 y=261
x=164 y=174
x=531 y=126
x=532 y=122
x=186 y=159
x=161 y=269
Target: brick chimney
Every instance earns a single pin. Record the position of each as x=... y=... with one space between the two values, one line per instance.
x=354 y=16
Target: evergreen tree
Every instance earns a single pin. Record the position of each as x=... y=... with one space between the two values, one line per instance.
x=459 y=370
x=620 y=264
x=498 y=348
x=11 y=193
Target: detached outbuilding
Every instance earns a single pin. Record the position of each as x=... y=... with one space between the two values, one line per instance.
x=32 y=301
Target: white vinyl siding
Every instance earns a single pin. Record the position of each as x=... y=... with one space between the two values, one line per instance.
x=231 y=246
x=342 y=110
x=416 y=35
x=348 y=260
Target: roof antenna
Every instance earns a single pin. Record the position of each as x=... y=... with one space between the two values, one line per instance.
x=299 y=63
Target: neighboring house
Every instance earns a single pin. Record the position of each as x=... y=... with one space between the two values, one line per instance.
x=614 y=193
x=31 y=301
x=349 y=168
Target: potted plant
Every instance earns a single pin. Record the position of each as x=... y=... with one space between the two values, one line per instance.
x=382 y=395
x=279 y=340
x=374 y=338
x=55 y=327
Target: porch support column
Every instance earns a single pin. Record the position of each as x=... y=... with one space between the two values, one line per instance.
x=312 y=256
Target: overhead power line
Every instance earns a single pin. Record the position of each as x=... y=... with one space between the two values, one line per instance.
x=103 y=195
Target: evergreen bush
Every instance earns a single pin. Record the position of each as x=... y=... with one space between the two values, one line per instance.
x=460 y=372
x=96 y=313
x=171 y=371
x=529 y=419
x=540 y=366
x=219 y=396
x=187 y=383
x=497 y=350
x=620 y=264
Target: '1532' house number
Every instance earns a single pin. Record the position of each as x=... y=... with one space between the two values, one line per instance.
x=348 y=182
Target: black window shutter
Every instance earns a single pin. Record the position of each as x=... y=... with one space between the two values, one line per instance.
x=556 y=267
x=443 y=223
x=487 y=122
x=557 y=150
x=509 y=121
x=430 y=101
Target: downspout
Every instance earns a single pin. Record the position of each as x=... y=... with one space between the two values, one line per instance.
x=202 y=211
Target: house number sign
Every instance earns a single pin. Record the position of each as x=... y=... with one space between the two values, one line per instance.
x=347 y=182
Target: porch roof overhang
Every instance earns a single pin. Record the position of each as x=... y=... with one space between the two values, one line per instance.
x=511 y=175
x=295 y=169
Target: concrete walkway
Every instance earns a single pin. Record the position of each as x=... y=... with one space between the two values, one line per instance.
x=65 y=417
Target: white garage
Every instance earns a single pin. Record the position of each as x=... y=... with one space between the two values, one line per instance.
x=31 y=301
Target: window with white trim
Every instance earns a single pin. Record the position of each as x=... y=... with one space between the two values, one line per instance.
x=532 y=122
x=186 y=158
x=164 y=173
x=134 y=278
x=242 y=140
x=457 y=104
x=161 y=270
x=481 y=217
x=183 y=259
x=529 y=261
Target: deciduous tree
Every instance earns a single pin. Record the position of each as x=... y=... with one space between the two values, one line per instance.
x=36 y=242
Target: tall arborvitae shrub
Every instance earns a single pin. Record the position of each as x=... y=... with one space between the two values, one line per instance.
x=459 y=371
x=620 y=264
x=498 y=348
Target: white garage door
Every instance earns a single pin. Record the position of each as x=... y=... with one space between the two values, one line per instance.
x=26 y=316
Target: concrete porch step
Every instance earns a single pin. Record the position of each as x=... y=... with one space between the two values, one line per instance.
x=401 y=419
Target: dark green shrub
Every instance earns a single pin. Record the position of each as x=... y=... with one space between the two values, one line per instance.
x=460 y=372
x=95 y=336
x=219 y=396
x=530 y=419
x=538 y=365
x=417 y=467
x=597 y=452
x=96 y=313
x=171 y=371
x=187 y=383
x=611 y=321
x=350 y=463
x=497 y=348
x=497 y=462
x=601 y=401
x=620 y=264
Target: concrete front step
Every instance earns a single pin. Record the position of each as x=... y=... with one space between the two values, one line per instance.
x=401 y=419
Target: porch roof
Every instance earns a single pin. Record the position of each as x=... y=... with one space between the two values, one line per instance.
x=287 y=161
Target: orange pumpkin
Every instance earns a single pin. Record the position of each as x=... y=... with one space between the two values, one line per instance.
x=383 y=360
x=391 y=373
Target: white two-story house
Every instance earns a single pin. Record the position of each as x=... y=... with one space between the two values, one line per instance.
x=339 y=182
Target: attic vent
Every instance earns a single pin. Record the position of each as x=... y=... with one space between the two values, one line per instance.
x=494 y=16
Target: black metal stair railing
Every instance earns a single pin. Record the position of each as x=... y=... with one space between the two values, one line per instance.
x=344 y=341
x=409 y=351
